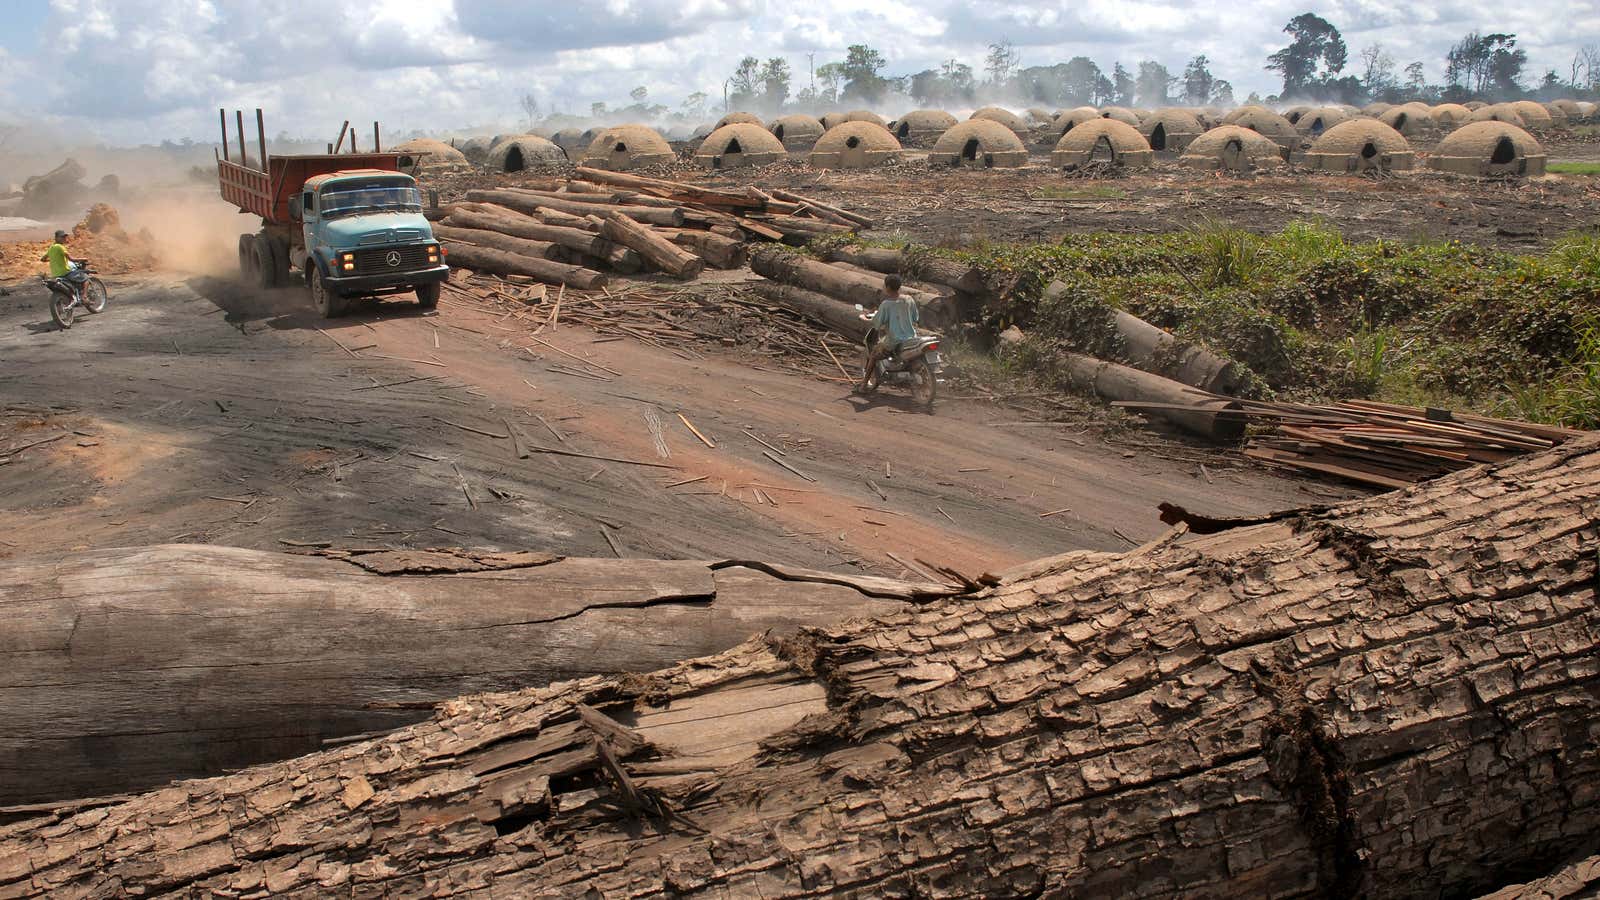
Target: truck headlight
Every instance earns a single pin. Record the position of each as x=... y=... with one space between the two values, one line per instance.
x=347 y=262
x=433 y=254
x=347 y=257
x=349 y=267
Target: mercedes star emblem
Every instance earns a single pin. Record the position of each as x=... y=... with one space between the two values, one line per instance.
x=393 y=259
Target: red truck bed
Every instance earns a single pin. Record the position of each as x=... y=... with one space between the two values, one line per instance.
x=267 y=193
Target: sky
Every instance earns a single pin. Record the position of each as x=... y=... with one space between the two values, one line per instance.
x=139 y=71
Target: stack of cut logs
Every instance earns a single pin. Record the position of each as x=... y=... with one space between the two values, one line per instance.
x=572 y=231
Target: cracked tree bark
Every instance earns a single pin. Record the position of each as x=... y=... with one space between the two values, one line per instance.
x=1397 y=697
x=124 y=669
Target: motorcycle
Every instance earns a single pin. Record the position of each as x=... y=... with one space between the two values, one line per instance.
x=915 y=363
x=66 y=298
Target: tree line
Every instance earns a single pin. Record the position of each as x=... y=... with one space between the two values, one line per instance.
x=1314 y=67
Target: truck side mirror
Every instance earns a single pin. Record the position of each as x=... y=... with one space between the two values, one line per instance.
x=294 y=207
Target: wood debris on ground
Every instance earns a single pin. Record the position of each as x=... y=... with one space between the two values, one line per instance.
x=1383 y=444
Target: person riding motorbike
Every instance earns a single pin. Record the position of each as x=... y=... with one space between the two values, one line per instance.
x=895 y=321
x=65 y=267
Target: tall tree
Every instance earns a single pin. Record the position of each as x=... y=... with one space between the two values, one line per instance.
x=1416 y=81
x=1002 y=60
x=1080 y=82
x=1222 y=93
x=694 y=106
x=958 y=77
x=1122 y=86
x=744 y=84
x=1377 y=71
x=1316 y=53
x=1488 y=63
x=530 y=108
x=1198 y=81
x=832 y=77
x=775 y=84
x=860 y=69
x=1154 y=85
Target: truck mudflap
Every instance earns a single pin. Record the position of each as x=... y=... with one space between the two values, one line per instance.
x=387 y=282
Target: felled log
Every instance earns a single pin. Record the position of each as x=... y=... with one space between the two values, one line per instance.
x=1395 y=698
x=522 y=226
x=845 y=214
x=719 y=251
x=225 y=657
x=788 y=267
x=841 y=318
x=687 y=192
x=500 y=262
x=1155 y=350
x=586 y=244
x=657 y=250
x=497 y=241
x=531 y=201
x=923 y=267
x=809 y=227
x=1191 y=409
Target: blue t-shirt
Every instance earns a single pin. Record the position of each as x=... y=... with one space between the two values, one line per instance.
x=898 y=317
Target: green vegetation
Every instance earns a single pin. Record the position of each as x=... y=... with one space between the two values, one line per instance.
x=1315 y=317
x=1574 y=168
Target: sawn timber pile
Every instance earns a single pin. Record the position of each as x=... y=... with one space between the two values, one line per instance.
x=1379 y=444
x=1393 y=698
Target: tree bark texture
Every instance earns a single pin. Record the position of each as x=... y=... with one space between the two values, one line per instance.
x=656 y=249
x=127 y=668
x=1396 y=698
x=501 y=262
x=497 y=241
x=838 y=317
x=1191 y=409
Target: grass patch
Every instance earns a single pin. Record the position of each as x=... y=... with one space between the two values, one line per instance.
x=1086 y=192
x=1314 y=317
x=1574 y=168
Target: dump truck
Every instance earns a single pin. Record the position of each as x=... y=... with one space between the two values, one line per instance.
x=350 y=223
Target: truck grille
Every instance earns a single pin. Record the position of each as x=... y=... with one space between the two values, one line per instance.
x=379 y=260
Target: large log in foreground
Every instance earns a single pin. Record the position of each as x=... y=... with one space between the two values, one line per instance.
x=1397 y=697
x=127 y=668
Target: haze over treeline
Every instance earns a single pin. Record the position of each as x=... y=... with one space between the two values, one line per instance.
x=1309 y=60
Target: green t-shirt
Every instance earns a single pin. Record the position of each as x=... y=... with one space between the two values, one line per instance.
x=57 y=257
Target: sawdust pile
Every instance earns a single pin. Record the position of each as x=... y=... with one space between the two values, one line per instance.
x=100 y=238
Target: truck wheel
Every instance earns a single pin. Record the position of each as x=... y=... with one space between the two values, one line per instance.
x=247 y=257
x=329 y=304
x=265 y=265
x=428 y=295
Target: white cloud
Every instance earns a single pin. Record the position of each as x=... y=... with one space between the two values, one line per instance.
x=143 y=70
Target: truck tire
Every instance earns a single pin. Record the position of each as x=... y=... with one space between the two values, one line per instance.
x=329 y=303
x=428 y=295
x=247 y=258
x=265 y=264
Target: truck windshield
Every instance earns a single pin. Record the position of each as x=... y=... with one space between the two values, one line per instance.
x=343 y=200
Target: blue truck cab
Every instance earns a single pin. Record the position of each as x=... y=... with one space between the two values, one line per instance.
x=363 y=235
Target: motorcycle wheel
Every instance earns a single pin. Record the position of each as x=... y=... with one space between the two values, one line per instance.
x=94 y=295
x=924 y=385
x=61 y=309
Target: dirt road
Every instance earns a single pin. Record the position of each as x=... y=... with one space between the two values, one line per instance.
x=195 y=410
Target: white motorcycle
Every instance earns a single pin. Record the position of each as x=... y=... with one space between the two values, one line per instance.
x=916 y=363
